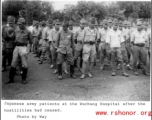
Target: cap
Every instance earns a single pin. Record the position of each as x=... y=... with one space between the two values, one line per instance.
x=105 y=22
x=65 y=23
x=49 y=21
x=21 y=20
x=109 y=21
x=139 y=22
x=10 y=19
x=145 y=23
x=36 y=22
x=70 y=22
x=128 y=23
x=115 y=21
x=82 y=21
x=43 y=23
x=125 y=22
x=92 y=20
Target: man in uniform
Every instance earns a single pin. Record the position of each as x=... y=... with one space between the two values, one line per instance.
x=53 y=40
x=23 y=41
x=114 y=40
x=8 y=42
x=138 y=39
x=65 y=44
x=89 y=48
x=102 y=46
x=35 y=33
x=79 y=37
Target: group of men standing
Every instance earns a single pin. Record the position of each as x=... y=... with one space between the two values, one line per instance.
x=112 y=40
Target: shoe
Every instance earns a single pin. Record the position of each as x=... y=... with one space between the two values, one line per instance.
x=82 y=76
x=125 y=74
x=24 y=81
x=129 y=67
x=60 y=77
x=66 y=72
x=90 y=75
x=9 y=82
x=113 y=74
x=55 y=71
x=101 y=68
x=145 y=73
x=40 y=62
x=73 y=76
x=136 y=73
x=51 y=66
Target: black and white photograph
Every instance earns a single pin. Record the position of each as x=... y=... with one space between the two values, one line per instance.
x=76 y=50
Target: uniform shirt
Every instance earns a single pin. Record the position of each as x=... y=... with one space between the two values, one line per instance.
x=126 y=33
x=102 y=35
x=90 y=35
x=79 y=35
x=65 y=42
x=47 y=32
x=114 y=38
x=23 y=36
x=138 y=37
x=35 y=32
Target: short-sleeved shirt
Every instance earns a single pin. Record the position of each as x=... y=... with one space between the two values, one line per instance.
x=114 y=38
x=65 y=41
x=126 y=34
x=35 y=32
x=79 y=35
x=90 y=35
x=138 y=37
x=102 y=35
x=23 y=36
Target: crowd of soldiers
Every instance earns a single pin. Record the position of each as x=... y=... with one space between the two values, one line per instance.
x=112 y=41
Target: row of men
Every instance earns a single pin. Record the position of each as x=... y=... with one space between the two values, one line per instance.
x=99 y=44
x=116 y=43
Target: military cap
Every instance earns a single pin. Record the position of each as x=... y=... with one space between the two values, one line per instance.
x=125 y=22
x=21 y=20
x=105 y=22
x=92 y=20
x=145 y=23
x=65 y=23
x=109 y=21
x=10 y=19
x=70 y=22
x=115 y=21
x=56 y=21
x=36 y=22
x=43 y=23
x=139 y=22
x=82 y=21
x=49 y=21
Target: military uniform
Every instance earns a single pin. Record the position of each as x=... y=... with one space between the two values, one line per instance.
x=102 y=44
x=65 y=44
x=8 y=39
x=114 y=40
x=89 y=48
x=23 y=40
x=53 y=47
x=138 y=39
x=79 y=37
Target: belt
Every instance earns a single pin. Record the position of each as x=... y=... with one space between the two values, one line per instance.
x=89 y=42
x=140 y=44
x=21 y=44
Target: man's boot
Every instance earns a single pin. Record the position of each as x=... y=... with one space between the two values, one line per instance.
x=72 y=71
x=60 y=71
x=24 y=75
x=11 y=75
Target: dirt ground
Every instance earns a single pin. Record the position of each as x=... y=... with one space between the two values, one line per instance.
x=44 y=85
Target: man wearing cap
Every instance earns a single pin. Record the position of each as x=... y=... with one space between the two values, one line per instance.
x=23 y=39
x=138 y=40
x=79 y=37
x=102 y=46
x=114 y=40
x=110 y=24
x=35 y=33
x=89 y=48
x=53 y=41
x=65 y=44
x=8 y=39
